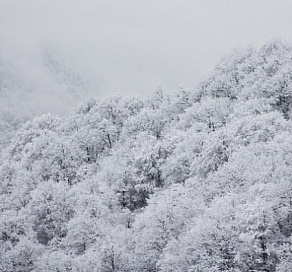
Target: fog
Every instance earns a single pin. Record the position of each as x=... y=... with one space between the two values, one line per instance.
x=131 y=47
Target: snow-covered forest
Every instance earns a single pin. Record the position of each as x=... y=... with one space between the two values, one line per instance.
x=196 y=181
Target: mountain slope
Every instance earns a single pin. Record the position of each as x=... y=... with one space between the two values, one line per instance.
x=197 y=181
x=30 y=89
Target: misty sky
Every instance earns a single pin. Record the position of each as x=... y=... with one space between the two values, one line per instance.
x=133 y=46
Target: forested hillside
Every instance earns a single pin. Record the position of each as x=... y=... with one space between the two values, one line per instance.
x=198 y=181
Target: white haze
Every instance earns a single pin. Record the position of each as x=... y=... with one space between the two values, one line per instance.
x=127 y=47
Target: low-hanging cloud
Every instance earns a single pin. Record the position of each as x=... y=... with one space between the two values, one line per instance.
x=132 y=47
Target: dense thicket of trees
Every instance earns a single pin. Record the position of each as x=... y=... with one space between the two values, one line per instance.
x=199 y=181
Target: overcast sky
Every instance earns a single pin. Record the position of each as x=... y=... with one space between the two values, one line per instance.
x=133 y=46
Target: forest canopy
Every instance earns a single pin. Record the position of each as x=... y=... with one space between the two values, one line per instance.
x=196 y=181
